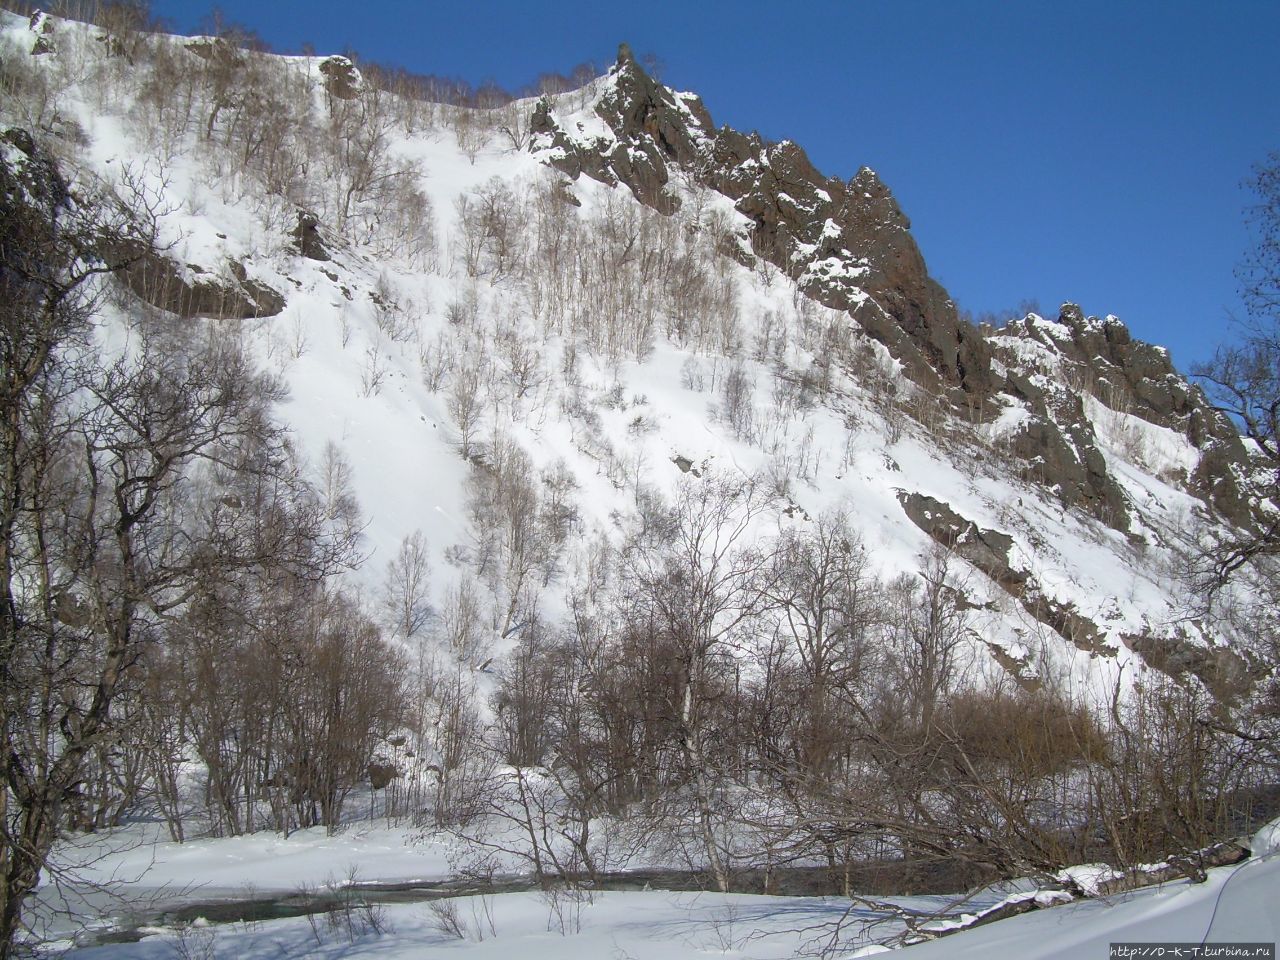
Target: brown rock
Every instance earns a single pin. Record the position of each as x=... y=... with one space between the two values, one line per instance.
x=156 y=280
x=342 y=80
x=307 y=239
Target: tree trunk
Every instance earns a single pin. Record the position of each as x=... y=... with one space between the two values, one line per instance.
x=695 y=759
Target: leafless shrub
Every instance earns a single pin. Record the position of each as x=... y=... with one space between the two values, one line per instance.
x=194 y=940
x=353 y=915
x=736 y=406
x=445 y=918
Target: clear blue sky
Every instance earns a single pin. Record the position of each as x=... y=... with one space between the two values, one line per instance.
x=1076 y=149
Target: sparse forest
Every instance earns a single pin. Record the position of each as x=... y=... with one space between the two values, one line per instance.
x=693 y=657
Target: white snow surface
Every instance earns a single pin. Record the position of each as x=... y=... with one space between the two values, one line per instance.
x=1235 y=904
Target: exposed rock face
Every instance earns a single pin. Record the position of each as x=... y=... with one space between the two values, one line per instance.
x=1059 y=449
x=1225 y=673
x=1174 y=650
x=41 y=24
x=651 y=127
x=34 y=203
x=1084 y=355
x=1218 y=479
x=157 y=280
x=991 y=552
x=1124 y=373
x=342 y=80
x=988 y=550
x=307 y=238
x=214 y=50
x=848 y=244
x=31 y=181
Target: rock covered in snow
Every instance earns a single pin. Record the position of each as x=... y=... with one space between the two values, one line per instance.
x=342 y=80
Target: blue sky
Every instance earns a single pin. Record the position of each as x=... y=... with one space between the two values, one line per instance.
x=1082 y=150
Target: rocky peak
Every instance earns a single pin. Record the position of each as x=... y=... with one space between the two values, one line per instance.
x=848 y=245
x=643 y=113
x=1100 y=358
x=650 y=129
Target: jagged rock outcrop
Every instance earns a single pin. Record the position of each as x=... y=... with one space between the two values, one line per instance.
x=1176 y=650
x=159 y=281
x=1058 y=448
x=37 y=210
x=1218 y=480
x=848 y=244
x=650 y=127
x=1125 y=374
x=33 y=194
x=307 y=238
x=991 y=552
x=215 y=50
x=41 y=24
x=1080 y=356
x=988 y=550
x=342 y=81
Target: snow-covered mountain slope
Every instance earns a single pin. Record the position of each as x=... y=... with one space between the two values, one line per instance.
x=699 y=526
x=606 y=294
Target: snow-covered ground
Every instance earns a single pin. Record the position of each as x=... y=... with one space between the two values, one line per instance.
x=1236 y=904
x=640 y=925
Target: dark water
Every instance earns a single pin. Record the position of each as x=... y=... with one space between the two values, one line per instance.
x=781 y=881
x=878 y=878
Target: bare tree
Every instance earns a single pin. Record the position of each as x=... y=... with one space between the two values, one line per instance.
x=406 y=593
x=1243 y=379
x=811 y=705
x=515 y=123
x=343 y=687
x=460 y=626
x=50 y=264
x=490 y=222
x=515 y=536
x=698 y=581
x=465 y=402
x=133 y=483
x=930 y=628
x=736 y=404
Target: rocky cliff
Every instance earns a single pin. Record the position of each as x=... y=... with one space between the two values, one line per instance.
x=848 y=245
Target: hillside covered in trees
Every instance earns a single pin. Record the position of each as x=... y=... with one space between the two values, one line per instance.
x=590 y=487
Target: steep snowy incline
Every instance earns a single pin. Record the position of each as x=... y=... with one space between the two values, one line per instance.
x=764 y=320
